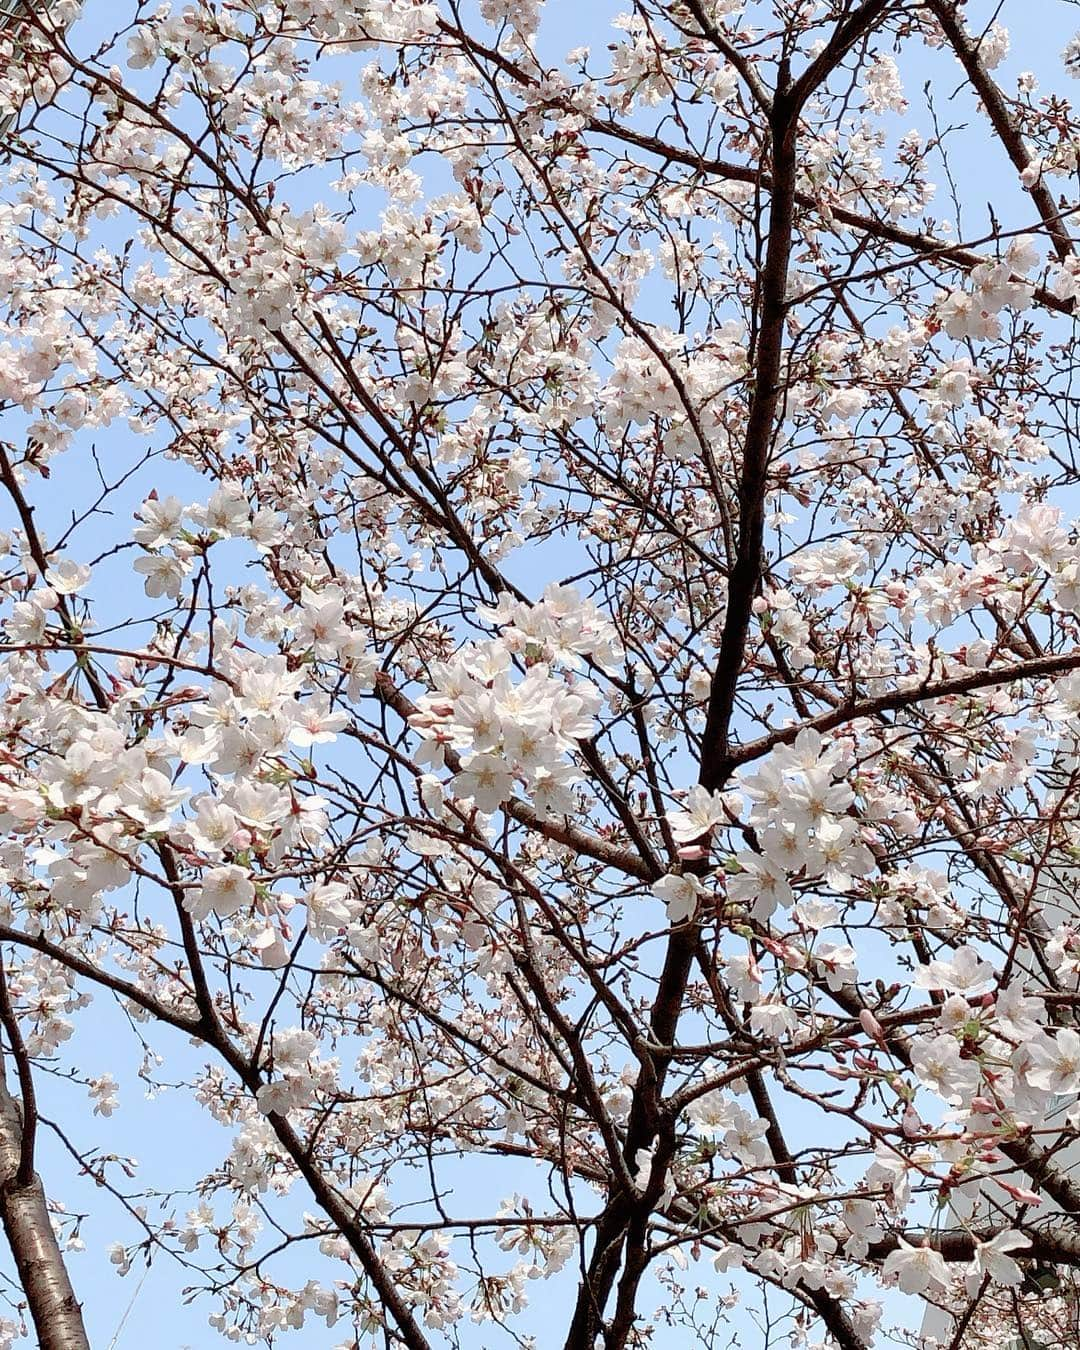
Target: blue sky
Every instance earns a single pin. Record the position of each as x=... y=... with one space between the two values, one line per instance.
x=173 y=1138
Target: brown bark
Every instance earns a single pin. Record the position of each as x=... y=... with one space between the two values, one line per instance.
x=54 y=1309
x=1002 y=120
x=621 y=1238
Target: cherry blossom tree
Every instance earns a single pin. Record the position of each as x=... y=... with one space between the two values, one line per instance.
x=540 y=624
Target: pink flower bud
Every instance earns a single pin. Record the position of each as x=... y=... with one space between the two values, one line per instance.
x=871 y=1026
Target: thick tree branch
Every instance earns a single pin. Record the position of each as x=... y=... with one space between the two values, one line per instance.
x=24 y=1211
x=1042 y=667
x=947 y=13
x=1060 y=1246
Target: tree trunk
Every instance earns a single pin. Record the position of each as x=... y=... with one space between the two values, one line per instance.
x=53 y=1306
